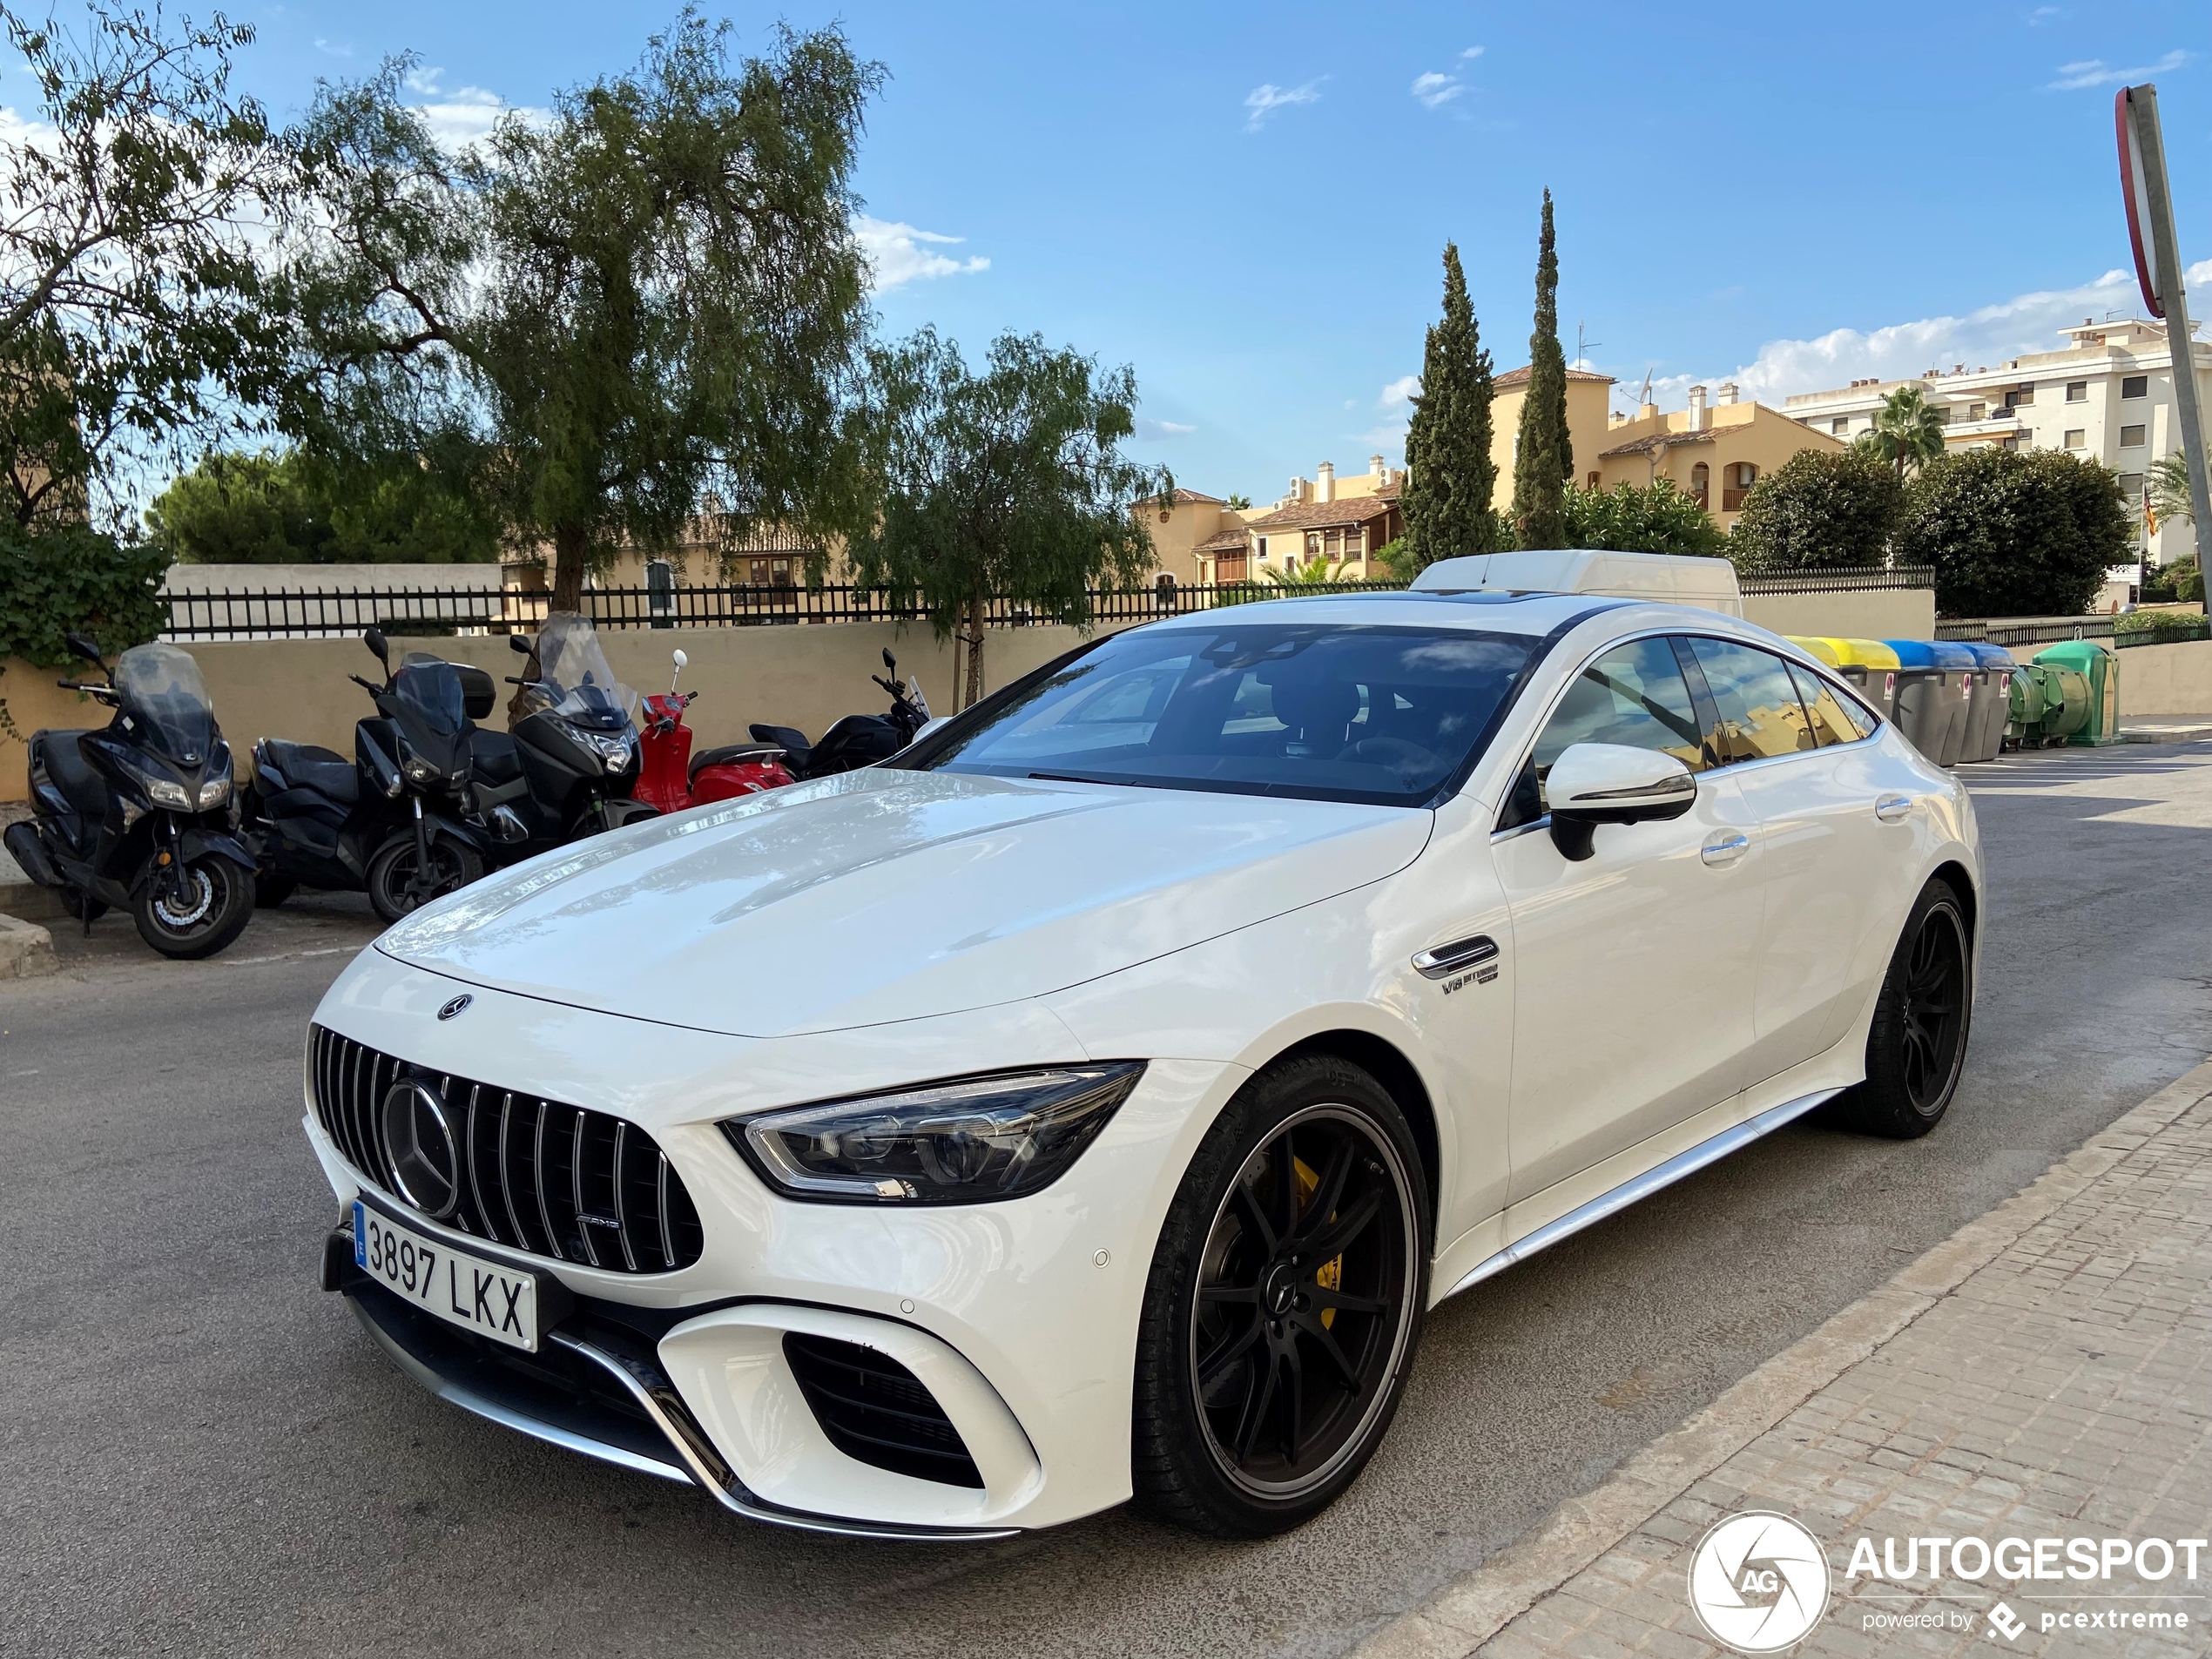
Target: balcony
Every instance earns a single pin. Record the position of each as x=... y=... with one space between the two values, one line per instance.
x=1732 y=500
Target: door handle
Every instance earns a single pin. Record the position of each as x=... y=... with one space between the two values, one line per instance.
x=1892 y=808
x=1725 y=849
x=1446 y=960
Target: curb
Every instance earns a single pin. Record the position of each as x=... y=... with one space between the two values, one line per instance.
x=1466 y=1614
x=26 y=950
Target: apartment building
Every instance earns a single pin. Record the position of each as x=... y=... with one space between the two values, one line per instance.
x=1712 y=452
x=1344 y=521
x=2107 y=395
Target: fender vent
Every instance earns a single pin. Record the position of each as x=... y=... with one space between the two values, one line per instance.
x=876 y=1412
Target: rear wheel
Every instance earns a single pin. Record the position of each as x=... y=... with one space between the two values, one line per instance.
x=194 y=911
x=1284 y=1305
x=397 y=886
x=1917 y=1045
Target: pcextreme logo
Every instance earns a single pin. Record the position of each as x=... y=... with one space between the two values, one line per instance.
x=1759 y=1583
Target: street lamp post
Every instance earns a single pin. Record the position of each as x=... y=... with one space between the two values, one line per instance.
x=2158 y=269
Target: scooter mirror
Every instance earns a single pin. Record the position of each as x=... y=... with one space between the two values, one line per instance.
x=682 y=661
x=519 y=644
x=81 y=645
x=889 y=661
x=374 y=638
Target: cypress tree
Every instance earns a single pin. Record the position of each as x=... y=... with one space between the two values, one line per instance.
x=1450 y=477
x=1544 y=460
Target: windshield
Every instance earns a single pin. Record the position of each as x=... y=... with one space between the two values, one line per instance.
x=160 y=687
x=579 y=685
x=1382 y=715
x=430 y=690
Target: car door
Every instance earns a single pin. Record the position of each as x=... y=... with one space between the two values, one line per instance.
x=1811 y=783
x=1633 y=968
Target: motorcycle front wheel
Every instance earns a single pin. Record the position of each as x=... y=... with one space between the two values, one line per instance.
x=195 y=911
x=397 y=886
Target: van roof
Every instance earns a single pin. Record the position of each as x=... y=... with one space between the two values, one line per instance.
x=1670 y=578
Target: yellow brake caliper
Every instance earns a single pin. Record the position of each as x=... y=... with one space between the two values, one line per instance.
x=1331 y=1276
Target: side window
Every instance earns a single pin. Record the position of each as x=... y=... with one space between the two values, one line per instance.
x=1758 y=702
x=1634 y=695
x=1832 y=715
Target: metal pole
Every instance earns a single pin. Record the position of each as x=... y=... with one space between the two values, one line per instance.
x=2143 y=101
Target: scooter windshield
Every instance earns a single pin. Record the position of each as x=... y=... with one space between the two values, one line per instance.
x=161 y=688
x=429 y=689
x=579 y=685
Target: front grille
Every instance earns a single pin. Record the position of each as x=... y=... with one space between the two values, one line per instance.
x=534 y=1176
x=876 y=1412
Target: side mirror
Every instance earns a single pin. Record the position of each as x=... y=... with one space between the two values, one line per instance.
x=374 y=638
x=890 y=662
x=682 y=661
x=1612 y=783
x=82 y=645
x=519 y=644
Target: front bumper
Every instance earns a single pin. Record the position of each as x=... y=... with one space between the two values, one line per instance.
x=1020 y=1319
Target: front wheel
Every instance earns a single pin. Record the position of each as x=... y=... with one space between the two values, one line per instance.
x=399 y=884
x=1284 y=1305
x=189 y=913
x=1917 y=1045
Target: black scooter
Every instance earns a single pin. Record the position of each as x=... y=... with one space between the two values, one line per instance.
x=137 y=814
x=394 y=819
x=856 y=740
x=568 y=765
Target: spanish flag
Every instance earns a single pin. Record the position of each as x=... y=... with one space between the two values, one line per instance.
x=2150 y=513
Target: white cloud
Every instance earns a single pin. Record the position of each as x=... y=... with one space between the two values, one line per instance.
x=1404 y=389
x=1472 y=52
x=1148 y=427
x=464 y=118
x=1432 y=89
x=424 y=81
x=2043 y=15
x=2092 y=71
x=2027 y=322
x=898 y=253
x=1264 y=100
x=330 y=48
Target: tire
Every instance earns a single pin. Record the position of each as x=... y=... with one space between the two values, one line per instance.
x=270 y=891
x=198 y=914
x=1249 y=1425
x=391 y=872
x=1917 y=1045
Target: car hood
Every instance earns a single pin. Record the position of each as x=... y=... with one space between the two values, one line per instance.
x=894 y=895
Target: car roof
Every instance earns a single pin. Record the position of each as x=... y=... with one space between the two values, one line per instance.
x=1532 y=614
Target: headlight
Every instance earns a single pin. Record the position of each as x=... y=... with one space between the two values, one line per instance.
x=214 y=792
x=419 y=770
x=165 y=792
x=970 y=1141
x=615 y=751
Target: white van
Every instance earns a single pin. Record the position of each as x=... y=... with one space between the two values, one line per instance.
x=1673 y=577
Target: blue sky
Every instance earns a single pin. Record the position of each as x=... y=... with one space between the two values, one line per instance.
x=1247 y=202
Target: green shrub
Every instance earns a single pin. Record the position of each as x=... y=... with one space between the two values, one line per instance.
x=2015 y=535
x=1631 y=518
x=69 y=577
x=1819 y=510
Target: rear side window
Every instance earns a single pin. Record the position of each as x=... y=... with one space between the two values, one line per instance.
x=1831 y=715
x=1633 y=694
x=1756 y=701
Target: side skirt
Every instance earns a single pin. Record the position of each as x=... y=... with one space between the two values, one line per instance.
x=1642 y=1186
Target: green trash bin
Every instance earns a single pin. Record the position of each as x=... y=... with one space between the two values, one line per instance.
x=2098 y=667
x=2049 y=705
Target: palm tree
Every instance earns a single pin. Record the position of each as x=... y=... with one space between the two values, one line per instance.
x=1907 y=430
x=2169 y=488
x=1316 y=572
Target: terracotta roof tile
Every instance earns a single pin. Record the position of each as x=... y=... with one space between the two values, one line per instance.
x=1226 y=540
x=1515 y=376
x=1327 y=514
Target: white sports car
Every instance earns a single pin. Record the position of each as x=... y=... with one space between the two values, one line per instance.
x=1089 y=1103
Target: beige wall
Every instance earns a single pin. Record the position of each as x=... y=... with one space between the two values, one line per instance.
x=1176 y=532
x=1907 y=613
x=803 y=676
x=1740 y=432
x=2163 y=679
x=1588 y=411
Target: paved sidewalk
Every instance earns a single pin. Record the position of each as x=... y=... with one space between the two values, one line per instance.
x=2046 y=1372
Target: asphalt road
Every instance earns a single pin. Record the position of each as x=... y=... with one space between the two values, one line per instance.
x=200 y=1452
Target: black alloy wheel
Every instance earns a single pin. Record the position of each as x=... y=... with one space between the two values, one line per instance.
x=188 y=911
x=399 y=883
x=1284 y=1305
x=1917 y=1045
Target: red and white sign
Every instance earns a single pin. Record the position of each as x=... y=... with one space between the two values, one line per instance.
x=2136 y=192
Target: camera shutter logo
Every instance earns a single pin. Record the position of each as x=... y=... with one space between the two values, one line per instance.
x=418 y=1144
x=1759 y=1583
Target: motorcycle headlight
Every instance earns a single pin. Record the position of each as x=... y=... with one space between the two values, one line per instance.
x=419 y=770
x=613 y=750
x=972 y=1140
x=167 y=792
x=214 y=792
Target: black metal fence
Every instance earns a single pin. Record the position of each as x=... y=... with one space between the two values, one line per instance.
x=1852 y=579
x=2024 y=631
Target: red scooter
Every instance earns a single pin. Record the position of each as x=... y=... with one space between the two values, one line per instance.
x=672 y=779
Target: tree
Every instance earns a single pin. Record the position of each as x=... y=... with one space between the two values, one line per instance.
x=1450 y=477
x=1239 y=503
x=264 y=509
x=1907 y=430
x=2012 y=534
x=133 y=307
x=1820 y=509
x=1316 y=572
x=649 y=307
x=1632 y=518
x=70 y=576
x=1011 y=482
x=1544 y=460
x=2168 y=480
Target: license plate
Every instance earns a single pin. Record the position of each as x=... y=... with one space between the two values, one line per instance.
x=477 y=1295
